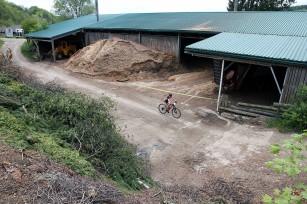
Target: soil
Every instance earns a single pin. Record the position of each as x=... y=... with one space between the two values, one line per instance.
x=199 y=157
x=121 y=60
x=29 y=177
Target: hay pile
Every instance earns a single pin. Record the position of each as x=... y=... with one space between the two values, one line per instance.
x=200 y=83
x=121 y=59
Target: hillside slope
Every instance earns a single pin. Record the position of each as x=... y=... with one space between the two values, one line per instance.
x=12 y=14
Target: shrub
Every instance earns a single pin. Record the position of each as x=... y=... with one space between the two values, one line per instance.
x=296 y=116
x=1 y=43
x=293 y=165
x=51 y=119
x=28 y=49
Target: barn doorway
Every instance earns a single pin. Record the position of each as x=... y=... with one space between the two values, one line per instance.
x=254 y=84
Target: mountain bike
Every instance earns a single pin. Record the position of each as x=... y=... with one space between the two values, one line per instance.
x=175 y=111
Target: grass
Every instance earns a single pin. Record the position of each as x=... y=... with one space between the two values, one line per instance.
x=28 y=50
x=1 y=43
x=279 y=124
x=71 y=128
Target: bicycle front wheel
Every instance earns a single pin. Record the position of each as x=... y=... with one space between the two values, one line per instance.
x=176 y=113
x=162 y=108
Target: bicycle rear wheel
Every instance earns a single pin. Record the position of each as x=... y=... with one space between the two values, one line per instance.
x=176 y=113
x=162 y=108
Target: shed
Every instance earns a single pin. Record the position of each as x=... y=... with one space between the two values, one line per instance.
x=9 y=32
x=265 y=50
x=269 y=39
x=58 y=31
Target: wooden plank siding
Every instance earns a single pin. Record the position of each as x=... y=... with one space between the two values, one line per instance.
x=158 y=42
x=94 y=36
x=124 y=36
x=161 y=43
x=295 y=77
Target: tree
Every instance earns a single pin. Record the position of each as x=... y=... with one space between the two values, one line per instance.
x=40 y=13
x=261 y=5
x=33 y=25
x=74 y=8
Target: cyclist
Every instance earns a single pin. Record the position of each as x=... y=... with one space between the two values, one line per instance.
x=168 y=102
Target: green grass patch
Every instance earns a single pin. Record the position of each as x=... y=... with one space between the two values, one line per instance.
x=279 y=124
x=71 y=128
x=1 y=43
x=28 y=49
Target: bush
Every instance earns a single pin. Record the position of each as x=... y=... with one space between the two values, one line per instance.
x=28 y=49
x=293 y=165
x=70 y=127
x=1 y=43
x=296 y=116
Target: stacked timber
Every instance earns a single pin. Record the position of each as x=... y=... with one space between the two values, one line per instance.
x=255 y=110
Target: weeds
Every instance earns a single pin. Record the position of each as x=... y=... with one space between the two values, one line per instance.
x=28 y=49
x=72 y=128
x=1 y=43
x=295 y=117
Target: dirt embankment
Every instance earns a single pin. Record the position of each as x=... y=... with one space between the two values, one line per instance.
x=120 y=59
x=29 y=177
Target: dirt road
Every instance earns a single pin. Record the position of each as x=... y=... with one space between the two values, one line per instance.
x=199 y=151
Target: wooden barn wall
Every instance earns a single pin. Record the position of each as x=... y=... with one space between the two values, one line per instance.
x=125 y=36
x=94 y=36
x=161 y=43
x=295 y=77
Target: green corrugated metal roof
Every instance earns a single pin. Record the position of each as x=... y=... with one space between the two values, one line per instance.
x=266 y=23
x=267 y=48
x=65 y=28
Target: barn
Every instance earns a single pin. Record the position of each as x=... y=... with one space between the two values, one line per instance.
x=253 y=50
x=69 y=31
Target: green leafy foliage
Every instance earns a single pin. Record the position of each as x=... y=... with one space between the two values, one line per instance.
x=74 y=8
x=293 y=165
x=12 y=14
x=70 y=127
x=33 y=25
x=1 y=43
x=28 y=49
x=295 y=117
x=298 y=8
x=261 y=5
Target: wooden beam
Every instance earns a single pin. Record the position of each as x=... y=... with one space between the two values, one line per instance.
x=53 y=52
x=275 y=79
x=220 y=88
x=231 y=110
x=178 y=47
x=37 y=48
x=234 y=59
x=257 y=106
x=282 y=96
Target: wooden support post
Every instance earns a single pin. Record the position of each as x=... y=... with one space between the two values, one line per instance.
x=37 y=48
x=140 y=38
x=220 y=88
x=275 y=79
x=53 y=53
x=226 y=68
x=282 y=91
x=178 y=48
